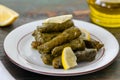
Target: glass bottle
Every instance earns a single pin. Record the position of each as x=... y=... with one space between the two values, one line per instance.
x=105 y=12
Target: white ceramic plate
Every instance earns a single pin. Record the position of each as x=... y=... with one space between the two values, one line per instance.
x=17 y=46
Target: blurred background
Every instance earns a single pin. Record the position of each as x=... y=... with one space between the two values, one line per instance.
x=32 y=10
x=23 y=6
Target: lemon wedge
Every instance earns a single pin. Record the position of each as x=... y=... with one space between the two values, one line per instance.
x=85 y=34
x=68 y=58
x=7 y=16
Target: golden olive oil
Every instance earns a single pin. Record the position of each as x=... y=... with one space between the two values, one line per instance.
x=105 y=12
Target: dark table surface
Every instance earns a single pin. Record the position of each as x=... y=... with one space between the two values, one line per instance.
x=31 y=10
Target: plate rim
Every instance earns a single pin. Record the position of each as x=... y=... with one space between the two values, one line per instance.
x=61 y=74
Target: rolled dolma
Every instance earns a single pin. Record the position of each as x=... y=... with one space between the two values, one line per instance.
x=57 y=24
x=44 y=37
x=76 y=44
x=57 y=63
x=47 y=59
x=41 y=38
x=93 y=44
x=86 y=55
x=66 y=36
x=56 y=27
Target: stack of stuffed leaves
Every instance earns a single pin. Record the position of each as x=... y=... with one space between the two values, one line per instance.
x=59 y=32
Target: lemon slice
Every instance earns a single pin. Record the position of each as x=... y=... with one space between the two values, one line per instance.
x=7 y=16
x=68 y=58
x=59 y=19
x=85 y=34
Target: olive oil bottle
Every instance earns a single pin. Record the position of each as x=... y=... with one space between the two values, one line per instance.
x=105 y=12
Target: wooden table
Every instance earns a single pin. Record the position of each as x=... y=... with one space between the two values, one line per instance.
x=31 y=10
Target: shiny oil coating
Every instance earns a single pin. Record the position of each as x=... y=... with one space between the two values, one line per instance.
x=66 y=36
x=76 y=44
